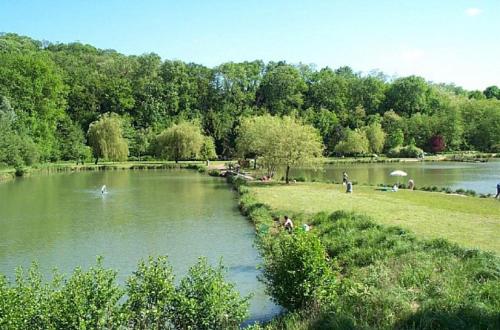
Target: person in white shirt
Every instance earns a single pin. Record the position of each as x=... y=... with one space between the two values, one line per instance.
x=288 y=223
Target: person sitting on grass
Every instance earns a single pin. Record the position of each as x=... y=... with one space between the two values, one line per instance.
x=265 y=178
x=288 y=224
x=349 y=187
x=395 y=188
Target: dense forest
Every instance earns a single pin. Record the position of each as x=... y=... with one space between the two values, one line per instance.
x=52 y=94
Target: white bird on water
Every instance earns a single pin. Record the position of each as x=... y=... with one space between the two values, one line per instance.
x=103 y=189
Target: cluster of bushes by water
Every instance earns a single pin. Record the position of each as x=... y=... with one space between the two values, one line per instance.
x=350 y=273
x=150 y=300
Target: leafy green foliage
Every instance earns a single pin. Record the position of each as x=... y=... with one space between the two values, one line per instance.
x=281 y=89
x=279 y=142
x=207 y=151
x=151 y=294
x=410 y=151
x=205 y=301
x=57 y=90
x=296 y=271
x=376 y=137
x=106 y=139
x=15 y=149
x=93 y=300
x=409 y=95
x=88 y=299
x=180 y=141
x=71 y=140
x=354 y=142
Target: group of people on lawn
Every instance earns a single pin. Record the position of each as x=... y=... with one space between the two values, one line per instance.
x=288 y=223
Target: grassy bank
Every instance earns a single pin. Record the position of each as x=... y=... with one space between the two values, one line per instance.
x=470 y=222
x=384 y=277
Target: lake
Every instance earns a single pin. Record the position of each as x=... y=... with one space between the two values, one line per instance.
x=481 y=177
x=63 y=221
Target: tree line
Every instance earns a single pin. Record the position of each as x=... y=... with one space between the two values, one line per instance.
x=55 y=100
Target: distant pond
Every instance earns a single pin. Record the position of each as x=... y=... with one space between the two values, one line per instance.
x=481 y=177
x=64 y=221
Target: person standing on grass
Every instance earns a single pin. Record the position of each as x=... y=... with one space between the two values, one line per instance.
x=498 y=190
x=345 y=178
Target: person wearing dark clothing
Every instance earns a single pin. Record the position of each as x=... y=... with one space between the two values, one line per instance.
x=498 y=190
x=349 y=187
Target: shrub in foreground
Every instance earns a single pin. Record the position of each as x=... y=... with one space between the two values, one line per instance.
x=296 y=271
x=204 y=300
x=151 y=293
x=93 y=300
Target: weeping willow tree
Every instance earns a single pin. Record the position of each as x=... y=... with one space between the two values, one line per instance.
x=106 y=139
x=183 y=141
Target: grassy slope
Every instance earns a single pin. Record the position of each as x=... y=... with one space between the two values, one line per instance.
x=469 y=221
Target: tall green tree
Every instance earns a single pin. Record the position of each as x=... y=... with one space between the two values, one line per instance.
x=354 y=142
x=280 y=142
x=492 y=92
x=408 y=95
x=376 y=137
x=106 y=139
x=16 y=148
x=181 y=141
x=330 y=91
x=36 y=91
x=281 y=90
x=207 y=150
x=71 y=140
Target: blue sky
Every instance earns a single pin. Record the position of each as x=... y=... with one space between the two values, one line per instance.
x=442 y=40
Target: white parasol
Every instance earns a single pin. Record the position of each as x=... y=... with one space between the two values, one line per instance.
x=398 y=173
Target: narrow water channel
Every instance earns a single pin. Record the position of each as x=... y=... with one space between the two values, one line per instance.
x=64 y=221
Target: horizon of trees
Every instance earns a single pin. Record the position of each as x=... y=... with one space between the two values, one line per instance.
x=51 y=93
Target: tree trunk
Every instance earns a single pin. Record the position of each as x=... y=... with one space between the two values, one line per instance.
x=255 y=163
x=287 y=171
x=96 y=159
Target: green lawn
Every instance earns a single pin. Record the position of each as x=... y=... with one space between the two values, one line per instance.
x=469 y=221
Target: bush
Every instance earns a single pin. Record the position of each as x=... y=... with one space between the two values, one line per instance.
x=88 y=300
x=92 y=299
x=205 y=301
x=296 y=271
x=409 y=151
x=151 y=293
x=215 y=173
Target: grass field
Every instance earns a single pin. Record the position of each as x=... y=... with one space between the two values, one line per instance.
x=469 y=221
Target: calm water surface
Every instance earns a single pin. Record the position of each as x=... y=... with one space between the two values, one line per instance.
x=481 y=177
x=63 y=221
